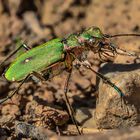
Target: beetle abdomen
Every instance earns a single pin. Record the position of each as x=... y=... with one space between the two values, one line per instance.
x=36 y=59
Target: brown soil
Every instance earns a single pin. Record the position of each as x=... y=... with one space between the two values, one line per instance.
x=38 y=21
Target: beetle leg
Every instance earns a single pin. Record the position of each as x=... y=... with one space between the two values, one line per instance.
x=19 y=42
x=38 y=77
x=15 y=91
x=35 y=74
x=22 y=45
x=69 y=107
x=87 y=65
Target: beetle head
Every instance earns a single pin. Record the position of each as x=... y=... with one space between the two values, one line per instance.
x=97 y=42
x=91 y=35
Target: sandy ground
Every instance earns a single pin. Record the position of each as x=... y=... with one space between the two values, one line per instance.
x=38 y=21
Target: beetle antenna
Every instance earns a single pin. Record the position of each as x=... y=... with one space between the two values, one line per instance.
x=120 y=35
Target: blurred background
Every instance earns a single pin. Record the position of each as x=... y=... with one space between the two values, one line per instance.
x=37 y=21
x=45 y=19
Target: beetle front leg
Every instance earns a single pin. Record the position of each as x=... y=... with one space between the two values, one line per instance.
x=87 y=65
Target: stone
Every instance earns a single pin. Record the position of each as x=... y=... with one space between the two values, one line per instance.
x=113 y=110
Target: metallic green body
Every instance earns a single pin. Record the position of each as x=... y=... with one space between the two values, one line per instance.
x=36 y=59
x=72 y=41
x=57 y=55
x=92 y=32
x=39 y=58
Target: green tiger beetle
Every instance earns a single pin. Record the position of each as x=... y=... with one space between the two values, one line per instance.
x=53 y=57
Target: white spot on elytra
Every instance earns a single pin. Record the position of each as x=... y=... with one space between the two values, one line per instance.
x=13 y=78
x=27 y=60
